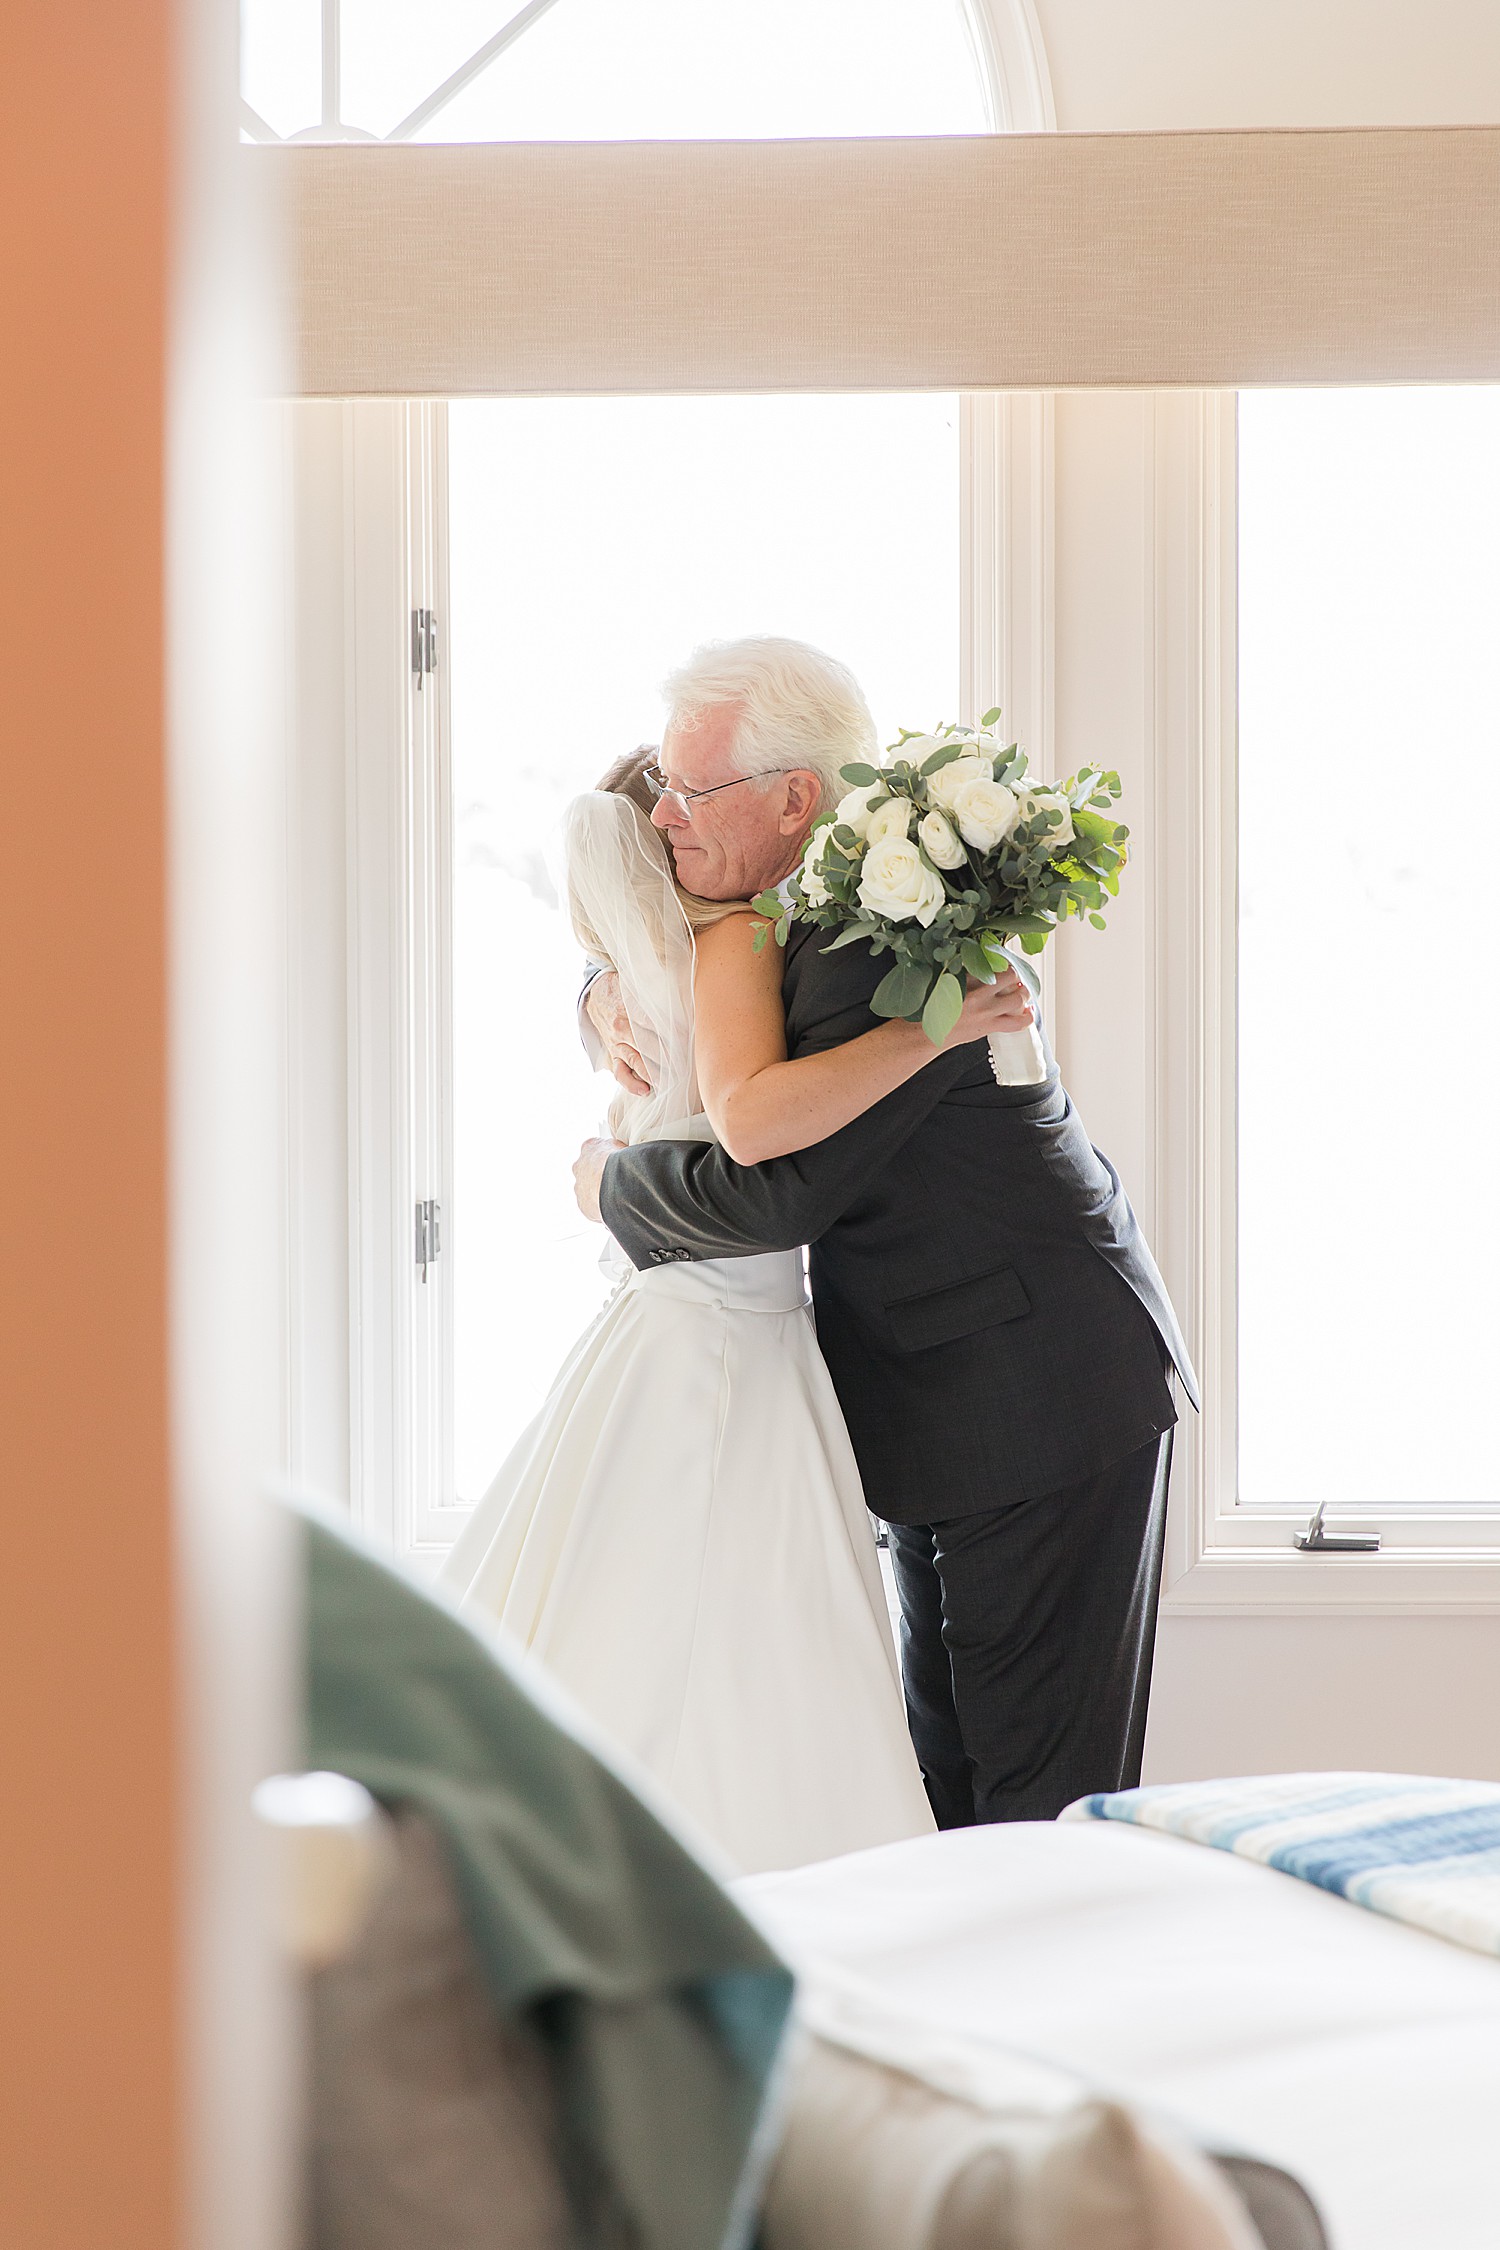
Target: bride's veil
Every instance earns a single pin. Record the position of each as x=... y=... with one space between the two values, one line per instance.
x=626 y=913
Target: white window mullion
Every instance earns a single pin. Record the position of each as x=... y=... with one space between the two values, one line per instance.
x=432 y=1522
x=1006 y=578
x=1188 y=999
x=395 y=565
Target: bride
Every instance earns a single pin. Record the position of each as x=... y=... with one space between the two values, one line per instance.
x=680 y=1536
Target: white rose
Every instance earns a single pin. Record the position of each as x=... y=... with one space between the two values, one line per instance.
x=814 y=889
x=895 y=882
x=986 y=812
x=944 y=785
x=1034 y=801
x=853 y=811
x=893 y=818
x=942 y=846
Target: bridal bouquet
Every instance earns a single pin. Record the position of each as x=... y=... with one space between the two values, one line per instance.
x=940 y=857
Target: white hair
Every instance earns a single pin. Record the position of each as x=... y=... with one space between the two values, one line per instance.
x=798 y=710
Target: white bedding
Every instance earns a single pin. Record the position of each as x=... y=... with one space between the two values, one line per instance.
x=1267 y=2015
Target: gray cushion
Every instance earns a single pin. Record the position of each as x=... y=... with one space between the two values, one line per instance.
x=432 y=2120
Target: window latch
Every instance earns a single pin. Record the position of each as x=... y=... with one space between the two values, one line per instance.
x=1316 y=1541
x=429 y=1235
x=423 y=643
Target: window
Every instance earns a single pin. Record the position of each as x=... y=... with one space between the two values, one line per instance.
x=1369 y=957
x=593 y=544
x=1312 y=979
x=484 y=70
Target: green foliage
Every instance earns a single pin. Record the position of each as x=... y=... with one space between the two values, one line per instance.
x=1017 y=893
x=902 y=991
x=944 y=1005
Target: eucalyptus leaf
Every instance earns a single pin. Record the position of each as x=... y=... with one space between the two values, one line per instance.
x=859 y=777
x=944 y=1006
x=852 y=936
x=902 y=990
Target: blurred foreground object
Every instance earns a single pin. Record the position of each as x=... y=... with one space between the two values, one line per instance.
x=328 y=1838
x=556 y=2026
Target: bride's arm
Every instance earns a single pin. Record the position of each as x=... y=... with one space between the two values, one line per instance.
x=761 y=1105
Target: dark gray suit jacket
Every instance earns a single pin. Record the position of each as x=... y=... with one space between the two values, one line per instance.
x=993 y=1320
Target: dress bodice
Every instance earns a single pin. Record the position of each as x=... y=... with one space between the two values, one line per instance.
x=773 y=1282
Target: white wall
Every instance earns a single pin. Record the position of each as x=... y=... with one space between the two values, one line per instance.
x=1164 y=65
x=1249 y=1693
x=1288 y=1694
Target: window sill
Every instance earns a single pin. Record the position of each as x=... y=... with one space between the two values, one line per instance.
x=1404 y=1581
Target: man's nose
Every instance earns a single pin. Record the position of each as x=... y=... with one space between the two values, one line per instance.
x=665 y=814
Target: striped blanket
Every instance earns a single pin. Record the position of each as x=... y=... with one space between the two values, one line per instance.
x=1421 y=1850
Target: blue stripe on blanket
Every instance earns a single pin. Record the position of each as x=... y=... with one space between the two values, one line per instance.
x=1423 y=1850
x=1437 y=1841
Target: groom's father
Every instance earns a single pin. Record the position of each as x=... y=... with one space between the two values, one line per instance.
x=994 y=1323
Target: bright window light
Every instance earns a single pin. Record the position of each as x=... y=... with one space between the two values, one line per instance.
x=594 y=544
x=1369 y=948
x=618 y=69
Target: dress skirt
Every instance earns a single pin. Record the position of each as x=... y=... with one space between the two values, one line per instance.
x=681 y=1539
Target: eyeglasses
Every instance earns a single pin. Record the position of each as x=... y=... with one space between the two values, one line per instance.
x=683 y=800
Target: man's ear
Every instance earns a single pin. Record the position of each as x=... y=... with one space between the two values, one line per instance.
x=802 y=793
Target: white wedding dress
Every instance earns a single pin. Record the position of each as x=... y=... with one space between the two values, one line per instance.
x=680 y=1536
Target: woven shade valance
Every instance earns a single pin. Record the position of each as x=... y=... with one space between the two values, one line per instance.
x=1020 y=261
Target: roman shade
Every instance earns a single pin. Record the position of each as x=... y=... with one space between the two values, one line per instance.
x=1013 y=261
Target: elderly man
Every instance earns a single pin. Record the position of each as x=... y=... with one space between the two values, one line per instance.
x=992 y=1318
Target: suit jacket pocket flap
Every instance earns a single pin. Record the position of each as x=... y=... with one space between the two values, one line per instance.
x=941 y=1316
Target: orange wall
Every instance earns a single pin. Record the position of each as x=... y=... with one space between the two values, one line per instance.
x=88 y=1998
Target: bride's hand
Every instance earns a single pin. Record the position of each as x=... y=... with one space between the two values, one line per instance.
x=588 y=1172
x=992 y=1009
x=607 y=1014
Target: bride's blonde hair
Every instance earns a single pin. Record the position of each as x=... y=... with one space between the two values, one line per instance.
x=627 y=778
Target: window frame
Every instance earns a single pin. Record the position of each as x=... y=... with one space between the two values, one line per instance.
x=399 y=891
x=1224 y=1556
x=1221 y=1558
x=399 y=881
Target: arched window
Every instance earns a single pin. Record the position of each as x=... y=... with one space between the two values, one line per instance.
x=477 y=70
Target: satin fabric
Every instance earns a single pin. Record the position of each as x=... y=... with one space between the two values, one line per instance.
x=680 y=1537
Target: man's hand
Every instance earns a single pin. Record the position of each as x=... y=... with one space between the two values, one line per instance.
x=606 y=1013
x=588 y=1172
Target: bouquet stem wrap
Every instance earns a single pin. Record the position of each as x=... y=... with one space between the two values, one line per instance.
x=1017 y=1057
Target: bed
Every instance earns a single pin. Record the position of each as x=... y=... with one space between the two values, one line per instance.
x=536 y=2008
x=1260 y=2013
